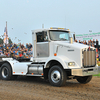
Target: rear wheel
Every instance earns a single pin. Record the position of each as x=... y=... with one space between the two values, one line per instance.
x=85 y=79
x=57 y=76
x=6 y=72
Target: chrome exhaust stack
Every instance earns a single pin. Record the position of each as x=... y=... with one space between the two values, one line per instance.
x=71 y=40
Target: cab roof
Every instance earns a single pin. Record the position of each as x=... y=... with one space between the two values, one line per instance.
x=61 y=29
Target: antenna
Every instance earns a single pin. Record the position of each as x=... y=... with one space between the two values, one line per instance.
x=42 y=25
x=6 y=32
x=65 y=21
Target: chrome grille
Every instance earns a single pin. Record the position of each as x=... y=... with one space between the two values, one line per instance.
x=89 y=58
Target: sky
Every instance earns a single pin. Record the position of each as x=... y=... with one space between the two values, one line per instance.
x=22 y=16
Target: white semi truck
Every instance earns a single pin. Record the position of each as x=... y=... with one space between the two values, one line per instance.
x=55 y=57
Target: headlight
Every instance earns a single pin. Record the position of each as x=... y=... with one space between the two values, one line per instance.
x=71 y=64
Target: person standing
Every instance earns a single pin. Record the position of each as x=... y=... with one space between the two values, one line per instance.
x=97 y=44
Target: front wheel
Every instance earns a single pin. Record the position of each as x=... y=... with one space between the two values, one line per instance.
x=57 y=76
x=85 y=79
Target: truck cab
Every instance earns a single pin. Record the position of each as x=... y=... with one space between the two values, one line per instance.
x=45 y=42
x=55 y=57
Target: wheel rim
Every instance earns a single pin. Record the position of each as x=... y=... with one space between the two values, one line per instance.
x=4 y=72
x=55 y=76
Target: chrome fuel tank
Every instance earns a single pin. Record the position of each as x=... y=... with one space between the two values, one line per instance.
x=35 y=68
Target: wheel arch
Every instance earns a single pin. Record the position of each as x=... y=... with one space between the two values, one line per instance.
x=6 y=66
x=48 y=65
x=58 y=59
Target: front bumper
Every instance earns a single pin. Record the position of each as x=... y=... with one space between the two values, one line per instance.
x=85 y=71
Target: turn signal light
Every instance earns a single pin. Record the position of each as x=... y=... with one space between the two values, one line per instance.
x=55 y=54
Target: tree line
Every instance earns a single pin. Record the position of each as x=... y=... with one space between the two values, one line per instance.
x=1 y=41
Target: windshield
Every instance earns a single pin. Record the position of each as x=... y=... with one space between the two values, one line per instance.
x=59 y=35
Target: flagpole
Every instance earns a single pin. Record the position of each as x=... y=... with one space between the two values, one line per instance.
x=6 y=33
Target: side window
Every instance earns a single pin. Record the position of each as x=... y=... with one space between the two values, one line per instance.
x=39 y=37
x=42 y=37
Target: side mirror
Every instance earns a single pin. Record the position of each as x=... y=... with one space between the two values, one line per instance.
x=45 y=37
x=74 y=37
x=43 y=33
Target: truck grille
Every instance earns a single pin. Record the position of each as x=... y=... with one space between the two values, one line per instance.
x=89 y=58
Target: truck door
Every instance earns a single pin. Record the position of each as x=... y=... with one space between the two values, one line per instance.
x=42 y=44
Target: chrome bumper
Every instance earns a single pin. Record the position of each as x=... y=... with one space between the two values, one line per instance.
x=85 y=71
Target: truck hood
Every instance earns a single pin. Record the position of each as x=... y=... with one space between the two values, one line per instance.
x=70 y=51
x=69 y=45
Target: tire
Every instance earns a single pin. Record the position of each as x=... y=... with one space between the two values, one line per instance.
x=85 y=79
x=6 y=72
x=57 y=76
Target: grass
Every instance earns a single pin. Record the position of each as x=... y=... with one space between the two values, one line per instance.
x=98 y=65
x=97 y=75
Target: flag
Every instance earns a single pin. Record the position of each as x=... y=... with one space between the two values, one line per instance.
x=5 y=36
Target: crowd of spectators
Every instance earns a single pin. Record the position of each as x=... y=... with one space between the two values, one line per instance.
x=93 y=44
x=16 y=50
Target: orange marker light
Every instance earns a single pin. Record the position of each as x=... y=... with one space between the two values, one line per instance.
x=55 y=54
x=22 y=72
x=32 y=73
x=42 y=74
x=14 y=72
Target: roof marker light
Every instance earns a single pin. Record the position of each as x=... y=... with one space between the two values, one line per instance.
x=57 y=28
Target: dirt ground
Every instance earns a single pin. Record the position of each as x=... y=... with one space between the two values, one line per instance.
x=32 y=88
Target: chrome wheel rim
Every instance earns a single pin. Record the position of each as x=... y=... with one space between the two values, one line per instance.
x=55 y=76
x=4 y=72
